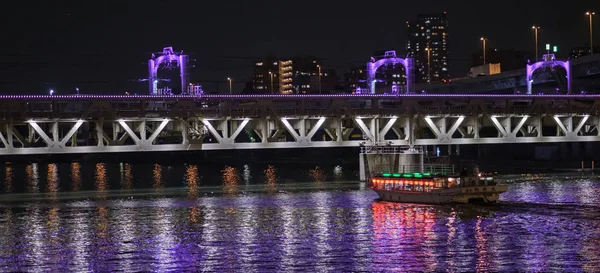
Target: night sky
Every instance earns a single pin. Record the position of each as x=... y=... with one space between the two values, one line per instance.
x=103 y=46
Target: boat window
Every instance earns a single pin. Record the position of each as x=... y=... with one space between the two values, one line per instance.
x=439 y=182
x=452 y=182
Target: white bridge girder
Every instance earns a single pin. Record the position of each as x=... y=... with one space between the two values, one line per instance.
x=60 y=136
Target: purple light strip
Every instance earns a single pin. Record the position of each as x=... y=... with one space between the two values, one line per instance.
x=135 y=97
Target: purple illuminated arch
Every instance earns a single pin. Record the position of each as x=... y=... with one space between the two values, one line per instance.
x=548 y=60
x=390 y=58
x=168 y=56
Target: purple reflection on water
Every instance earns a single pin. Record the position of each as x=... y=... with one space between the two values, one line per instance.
x=551 y=225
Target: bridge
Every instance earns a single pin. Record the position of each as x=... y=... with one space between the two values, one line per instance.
x=103 y=124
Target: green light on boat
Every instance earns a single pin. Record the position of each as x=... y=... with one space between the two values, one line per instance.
x=386 y=175
x=396 y=175
x=418 y=175
x=407 y=175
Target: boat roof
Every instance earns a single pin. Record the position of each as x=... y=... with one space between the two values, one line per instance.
x=407 y=175
x=418 y=175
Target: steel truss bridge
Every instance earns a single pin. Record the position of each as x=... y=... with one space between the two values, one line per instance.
x=98 y=124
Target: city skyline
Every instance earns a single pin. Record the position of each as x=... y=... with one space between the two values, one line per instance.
x=98 y=47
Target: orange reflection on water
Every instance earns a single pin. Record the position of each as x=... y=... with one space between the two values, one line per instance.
x=53 y=240
x=76 y=175
x=102 y=221
x=127 y=176
x=101 y=180
x=195 y=214
x=128 y=173
x=52 y=179
x=406 y=228
x=231 y=180
x=193 y=181
x=8 y=179
x=317 y=174
x=271 y=179
x=32 y=178
x=193 y=186
x=157 y=176
x=483 y=257
x=53 y=219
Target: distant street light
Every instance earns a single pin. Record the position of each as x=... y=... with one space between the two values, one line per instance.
x=230 y=92
x=428 y=64
x=535 y=30
x=319 y=67
x=51 y=92
x=591 y=14
x=77 y=89
x=271 y=75
x=483 y=40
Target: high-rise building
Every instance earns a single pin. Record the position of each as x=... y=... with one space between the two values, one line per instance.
x=428 y=45
x=265 y=79
x=298 y=75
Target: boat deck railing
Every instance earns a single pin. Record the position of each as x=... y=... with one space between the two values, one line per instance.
x=385 y=148
x=439 y=169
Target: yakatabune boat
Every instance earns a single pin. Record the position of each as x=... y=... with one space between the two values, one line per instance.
x=428 y=188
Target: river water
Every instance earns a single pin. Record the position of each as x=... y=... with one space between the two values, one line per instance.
x=160 y=218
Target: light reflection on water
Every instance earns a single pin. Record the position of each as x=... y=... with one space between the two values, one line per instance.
x=273 y=224
x=8 y=178
x=76 y=176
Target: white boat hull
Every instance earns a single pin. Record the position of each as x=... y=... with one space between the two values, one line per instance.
x=487 y=194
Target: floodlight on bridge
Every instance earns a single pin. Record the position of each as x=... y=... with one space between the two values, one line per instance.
x=167 y=57
x=390 y=58
x=549 y=60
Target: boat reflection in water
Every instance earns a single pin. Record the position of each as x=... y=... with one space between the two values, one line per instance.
x=399 y=230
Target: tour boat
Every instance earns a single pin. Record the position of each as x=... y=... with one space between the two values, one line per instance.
x=429 y=188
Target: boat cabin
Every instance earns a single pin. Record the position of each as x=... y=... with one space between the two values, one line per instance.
x=426 y=182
